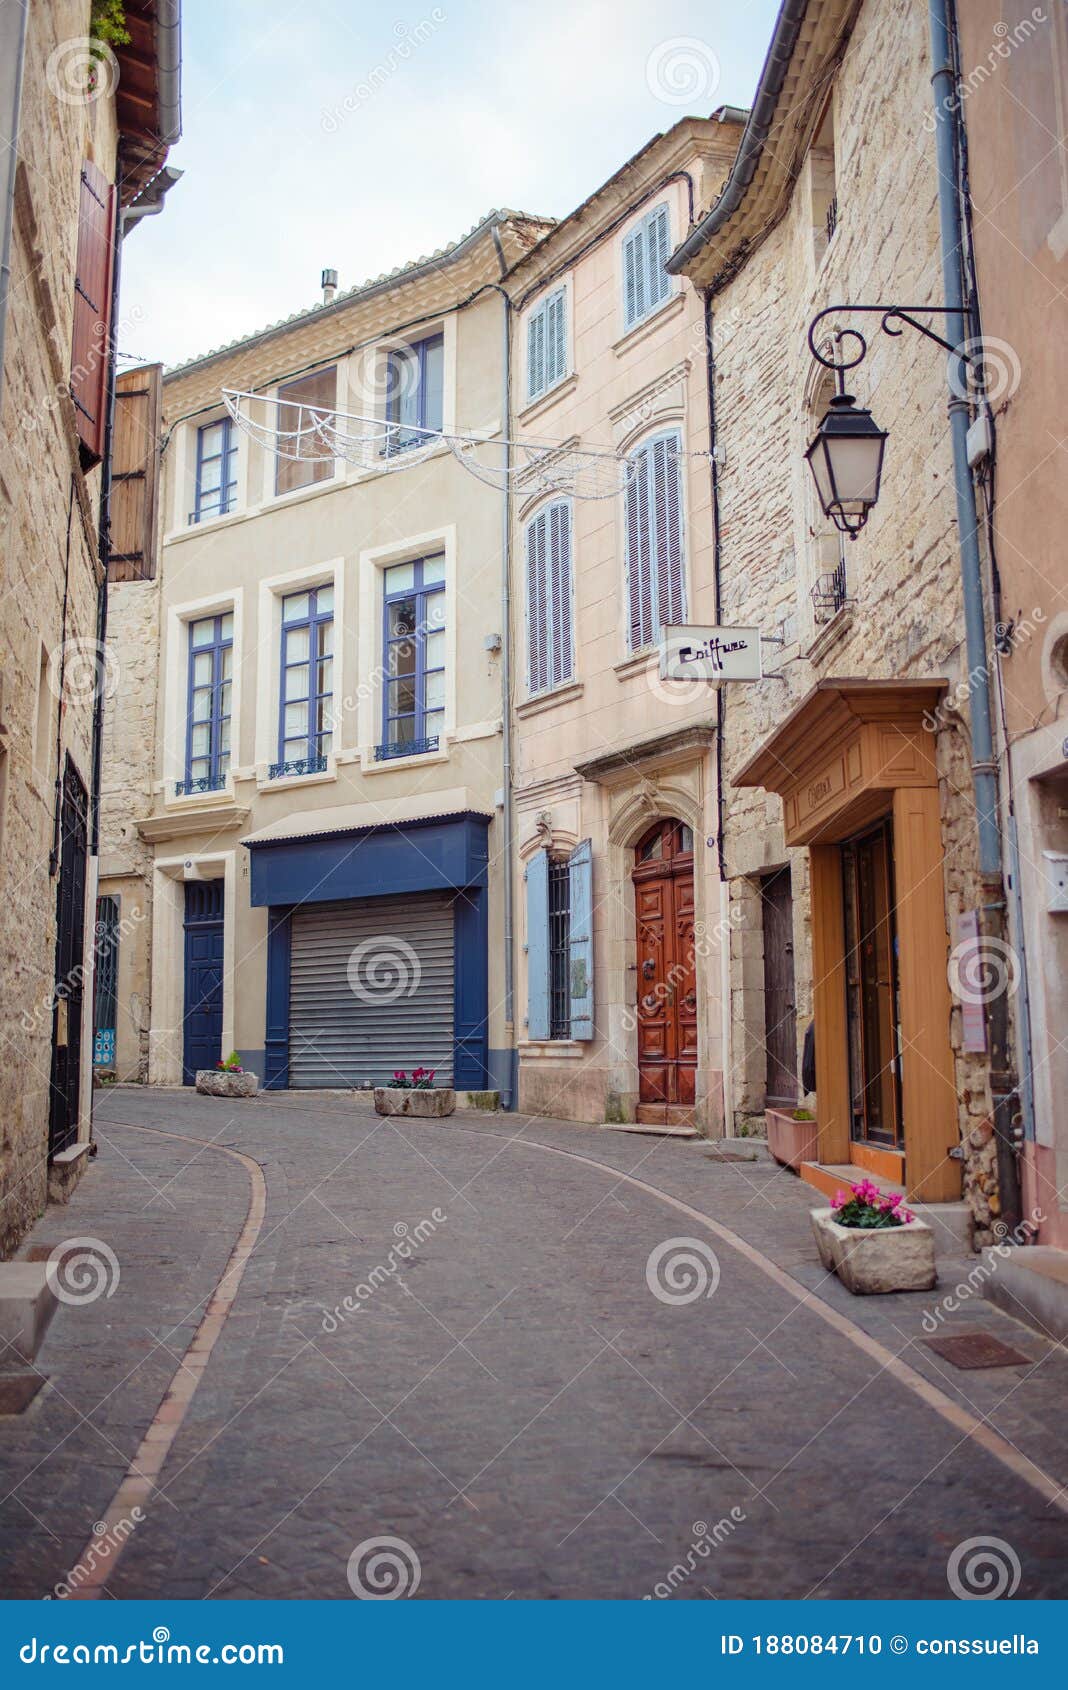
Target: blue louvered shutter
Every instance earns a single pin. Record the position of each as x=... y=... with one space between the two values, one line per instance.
x=634 y=276
x=536 y=354
x=537 y=879
x=657 y=247
x=555 y=339
x=537 y=606
x=580 y=875
x=559 y=565
x=639 y=572
x=667 y=530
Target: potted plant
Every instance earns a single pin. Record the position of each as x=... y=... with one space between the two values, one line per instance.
x=873 y=1242
x=793 y=1136
x=415 y=1094
x=227 y=1079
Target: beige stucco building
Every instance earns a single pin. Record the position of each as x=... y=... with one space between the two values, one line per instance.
x=84 y=143
x=1013 y=104
x=313 y=814
x=619 y=906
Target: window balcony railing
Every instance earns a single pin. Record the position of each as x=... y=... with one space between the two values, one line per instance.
x=297 y=766
x=406 y=748
x=205 y=783
x=829 y=595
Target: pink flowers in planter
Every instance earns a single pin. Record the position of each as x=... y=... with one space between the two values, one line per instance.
x=421 y=1079
x=865 y=1206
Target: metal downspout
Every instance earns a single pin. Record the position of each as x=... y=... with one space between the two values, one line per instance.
x=984 y=765
x=12 y=59
x=508 y=1098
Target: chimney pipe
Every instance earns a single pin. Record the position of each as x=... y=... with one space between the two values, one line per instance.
x=329 y=285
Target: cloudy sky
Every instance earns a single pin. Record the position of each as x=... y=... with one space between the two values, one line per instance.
x=360 y=136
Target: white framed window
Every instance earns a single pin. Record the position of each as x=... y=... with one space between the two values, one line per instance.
x=547 y=343
x=301 y=673
x=550 y=635
x=654 y=540
x=646 y=284
x=202 y=696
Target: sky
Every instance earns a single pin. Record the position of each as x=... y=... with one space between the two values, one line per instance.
x=362 y=136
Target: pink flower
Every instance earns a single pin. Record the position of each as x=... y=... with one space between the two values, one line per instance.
x=839 y=1199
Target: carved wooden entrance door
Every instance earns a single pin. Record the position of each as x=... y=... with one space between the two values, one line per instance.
x=667 y=983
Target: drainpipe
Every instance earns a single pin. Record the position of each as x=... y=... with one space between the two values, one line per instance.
x=721 y=723
x=984 y=765
x=507 y=815
x=12 y=57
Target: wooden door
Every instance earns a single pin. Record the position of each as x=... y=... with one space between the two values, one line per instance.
x=65 y=1090
x=202 y=1028
x=780 y=1017
x=871 y=988
x=667 y=980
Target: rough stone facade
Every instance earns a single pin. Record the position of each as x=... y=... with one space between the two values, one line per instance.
x=903 y=612
x=49 y=571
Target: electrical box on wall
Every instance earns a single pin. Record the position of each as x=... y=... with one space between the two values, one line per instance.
x=1056 y=881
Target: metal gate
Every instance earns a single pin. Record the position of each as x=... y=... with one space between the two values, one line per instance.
x=371 y=990
x=70 y=971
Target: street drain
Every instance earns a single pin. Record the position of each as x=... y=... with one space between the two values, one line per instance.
x=969 y=1350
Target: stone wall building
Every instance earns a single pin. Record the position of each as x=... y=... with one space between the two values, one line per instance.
x=305 y=788
x=84 y=144
x=849 y=821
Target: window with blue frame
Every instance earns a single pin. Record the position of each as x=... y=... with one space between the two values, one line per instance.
x=646 y=283
x=216 y=484
x=415 y=387
x=413 y=708
x=306 y=692
x=211 y=668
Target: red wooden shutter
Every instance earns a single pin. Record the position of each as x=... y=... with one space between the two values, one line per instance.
x=92 y=310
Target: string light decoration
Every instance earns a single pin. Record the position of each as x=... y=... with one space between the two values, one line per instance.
x=289 y=429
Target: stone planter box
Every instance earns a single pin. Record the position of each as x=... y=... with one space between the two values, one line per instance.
x=891 y=1258
x=791 y=1142
x=215 y=1082
x=429 y=1104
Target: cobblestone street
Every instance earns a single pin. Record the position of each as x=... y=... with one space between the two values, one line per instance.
x=513 y=1400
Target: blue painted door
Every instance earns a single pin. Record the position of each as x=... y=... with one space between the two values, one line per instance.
x=202 y=1026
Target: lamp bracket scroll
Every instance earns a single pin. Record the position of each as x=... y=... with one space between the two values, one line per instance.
x=894 y=320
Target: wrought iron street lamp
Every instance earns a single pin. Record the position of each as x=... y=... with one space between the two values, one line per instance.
x=846 y=460
x=846 y=456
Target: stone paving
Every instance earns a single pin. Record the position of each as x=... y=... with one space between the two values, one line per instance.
x=513 y=1402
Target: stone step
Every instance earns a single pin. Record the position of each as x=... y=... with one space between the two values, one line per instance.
x=1031 y=1284
x=651 y=1129
x=27 y=1304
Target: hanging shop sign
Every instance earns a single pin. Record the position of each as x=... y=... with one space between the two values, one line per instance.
x=709 y=654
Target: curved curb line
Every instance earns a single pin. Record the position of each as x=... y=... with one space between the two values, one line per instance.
x=144 y=1470
x=1054 y=1494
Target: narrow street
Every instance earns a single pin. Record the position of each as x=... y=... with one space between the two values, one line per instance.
x=522 y=1399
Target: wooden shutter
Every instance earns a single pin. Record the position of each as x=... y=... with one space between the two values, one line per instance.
x=556 y=340
x=559 y=573
x=537 y=617
x=92 y=311
x=657 y=247
x=536 y=353
x=580 y=874
x=639 y=573
x=667 y=531
x=297 y=400
x=537 y=882
x=135 y=474
x=634 y=276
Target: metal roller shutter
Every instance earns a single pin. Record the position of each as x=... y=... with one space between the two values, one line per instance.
x=371 y=990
